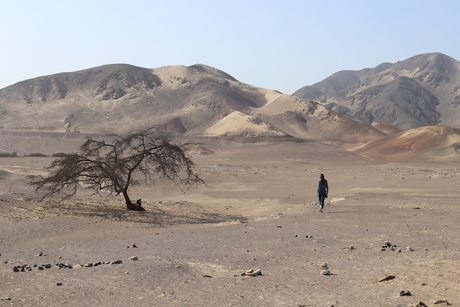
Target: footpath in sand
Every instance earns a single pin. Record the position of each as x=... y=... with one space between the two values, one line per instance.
x=257 y=212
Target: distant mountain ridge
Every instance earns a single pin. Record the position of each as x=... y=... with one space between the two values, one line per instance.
x=421 y=91
x=197 y=100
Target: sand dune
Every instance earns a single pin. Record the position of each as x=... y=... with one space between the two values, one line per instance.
x=431 y=141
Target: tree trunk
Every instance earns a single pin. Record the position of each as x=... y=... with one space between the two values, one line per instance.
x=130 y=205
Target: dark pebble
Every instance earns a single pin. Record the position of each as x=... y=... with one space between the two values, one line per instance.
x=405 y=293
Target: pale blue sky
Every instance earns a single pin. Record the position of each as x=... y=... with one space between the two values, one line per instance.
x=280 y=45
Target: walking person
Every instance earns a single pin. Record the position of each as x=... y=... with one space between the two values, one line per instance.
x=323 y=190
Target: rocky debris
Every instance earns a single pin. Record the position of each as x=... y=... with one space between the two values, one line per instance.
x=326 y=272
x=390 y=277
x=351 y=247
x=421 y=304
x=6 y=299
x=325 y=269
x=252 y=272
x=409 y=248
x=389 y=246
x=22 y=268
x=405 y=293
x=26 y=267
x=133 y=258
x=64 y=265
x=441 y=301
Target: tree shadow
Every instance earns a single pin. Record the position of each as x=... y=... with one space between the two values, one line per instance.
x=157 y=214
x=332 y=212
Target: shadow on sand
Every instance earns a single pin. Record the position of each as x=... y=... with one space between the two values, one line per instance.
x=157 y=214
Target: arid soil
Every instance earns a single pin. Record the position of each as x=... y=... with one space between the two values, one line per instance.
x=257 y=211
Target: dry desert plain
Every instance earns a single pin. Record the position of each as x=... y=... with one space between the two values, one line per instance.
x=258 y=211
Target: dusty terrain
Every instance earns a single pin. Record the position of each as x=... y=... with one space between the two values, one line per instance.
x=257 y=211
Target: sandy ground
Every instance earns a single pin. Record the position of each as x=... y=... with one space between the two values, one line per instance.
x=257 y=211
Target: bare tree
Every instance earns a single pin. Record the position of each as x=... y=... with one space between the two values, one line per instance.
x=111 y=166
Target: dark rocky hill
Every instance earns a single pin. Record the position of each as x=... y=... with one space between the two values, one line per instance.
x=420 y=91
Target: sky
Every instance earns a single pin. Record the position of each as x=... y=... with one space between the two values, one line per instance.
x=281 y=45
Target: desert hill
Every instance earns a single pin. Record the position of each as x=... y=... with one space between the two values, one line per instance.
x=420 y=91
x=429 y=141
x=193 y=101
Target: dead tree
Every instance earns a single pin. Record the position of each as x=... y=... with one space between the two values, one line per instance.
x=111 y=166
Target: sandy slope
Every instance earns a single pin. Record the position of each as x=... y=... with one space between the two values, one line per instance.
x=256 y=212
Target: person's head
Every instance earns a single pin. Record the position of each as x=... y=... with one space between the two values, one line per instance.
x=321 y=177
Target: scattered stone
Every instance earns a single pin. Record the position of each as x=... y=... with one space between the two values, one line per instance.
x=405 y=293
x=40 y=268
x=325 y=266
x=207 y=276
x=326 y=272
x=398 y=250
x=388 y=245
x=6 y=299
x=409 y=249
x=133 y=258
x=134 y=246
x=47 y=266
x=351 y=247
x=59 y=284
x=63 y=265
x=390 y=277
x=421 y=304
x=442 y=301
x=252 y=272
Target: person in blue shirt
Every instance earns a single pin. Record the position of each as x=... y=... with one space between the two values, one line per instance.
x=323 y=190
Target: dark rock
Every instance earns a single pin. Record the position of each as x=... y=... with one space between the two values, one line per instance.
x=405 y=293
